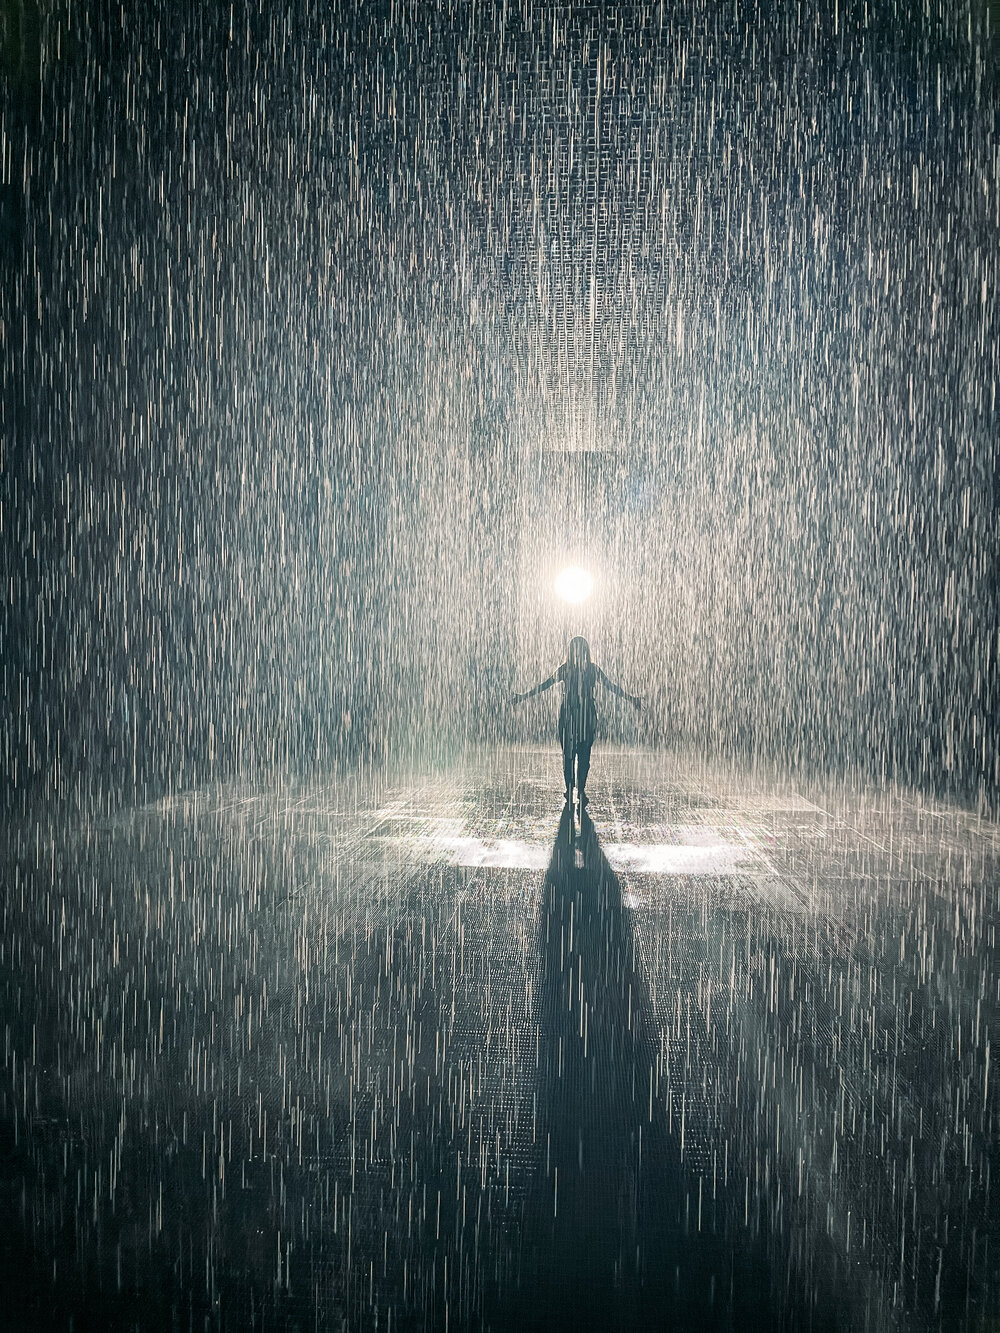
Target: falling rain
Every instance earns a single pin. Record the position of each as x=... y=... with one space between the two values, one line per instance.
x=502 y=738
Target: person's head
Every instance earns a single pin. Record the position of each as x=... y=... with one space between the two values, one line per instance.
x=579 y=653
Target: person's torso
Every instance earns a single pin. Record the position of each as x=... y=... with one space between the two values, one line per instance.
x=578 y=694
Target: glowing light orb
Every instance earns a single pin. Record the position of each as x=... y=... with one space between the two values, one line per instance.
x=574 y=585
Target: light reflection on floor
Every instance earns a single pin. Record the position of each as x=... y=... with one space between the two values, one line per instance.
x=707 y=855
x=342 y=997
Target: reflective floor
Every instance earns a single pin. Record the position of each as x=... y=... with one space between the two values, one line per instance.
x=442 y=1055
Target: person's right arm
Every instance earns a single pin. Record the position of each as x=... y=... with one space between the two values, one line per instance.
x=633 y=699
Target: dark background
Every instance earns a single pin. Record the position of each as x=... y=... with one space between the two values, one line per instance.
x=323 y=328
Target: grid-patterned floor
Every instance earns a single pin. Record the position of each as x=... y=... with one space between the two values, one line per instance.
x=435 y=1055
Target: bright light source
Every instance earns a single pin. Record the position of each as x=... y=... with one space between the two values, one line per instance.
x=574 y=585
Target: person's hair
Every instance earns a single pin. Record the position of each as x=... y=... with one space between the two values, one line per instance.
x=579 y=652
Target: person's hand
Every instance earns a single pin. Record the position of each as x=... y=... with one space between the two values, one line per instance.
x=517 y=698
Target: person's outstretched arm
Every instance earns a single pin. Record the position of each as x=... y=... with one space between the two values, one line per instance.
x=633 y=699
x=537 y=689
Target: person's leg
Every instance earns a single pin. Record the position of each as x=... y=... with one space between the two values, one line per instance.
x=583 y=765
x=568 y=757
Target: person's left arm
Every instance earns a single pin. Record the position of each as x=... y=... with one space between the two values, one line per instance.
x=535 y=689
x=633 y=699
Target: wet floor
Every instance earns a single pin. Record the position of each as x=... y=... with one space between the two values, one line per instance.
x=441 y=1055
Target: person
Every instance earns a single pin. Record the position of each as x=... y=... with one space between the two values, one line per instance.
x=578 y=713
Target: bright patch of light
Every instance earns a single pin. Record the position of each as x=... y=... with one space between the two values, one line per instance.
x=669 y=859
x=574 y=585
x=498 y=854
x=712 y=857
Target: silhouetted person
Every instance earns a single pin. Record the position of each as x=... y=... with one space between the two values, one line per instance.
x=578 y=714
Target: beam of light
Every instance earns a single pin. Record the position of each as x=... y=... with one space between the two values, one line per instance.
x=574 y=585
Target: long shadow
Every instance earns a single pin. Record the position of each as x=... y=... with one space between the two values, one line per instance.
x=612 y=1236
